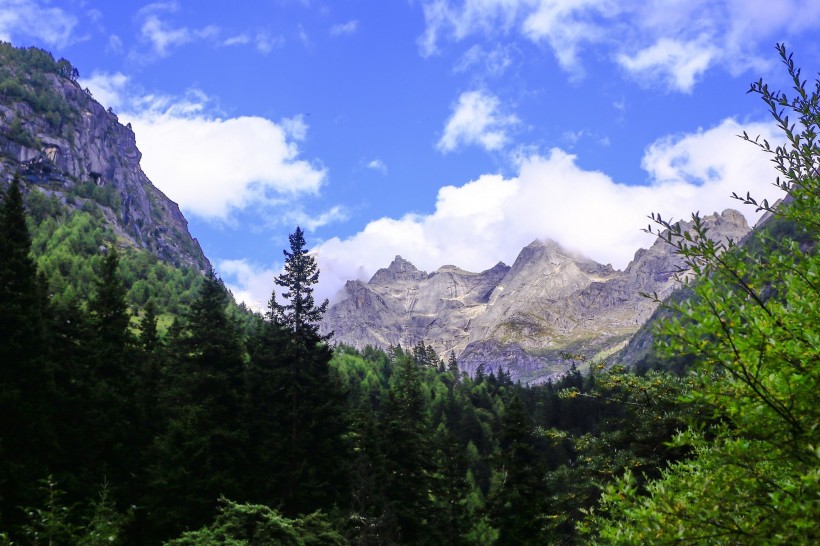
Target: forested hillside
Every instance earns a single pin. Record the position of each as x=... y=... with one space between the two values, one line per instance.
x=137 y=436
x=73 y=156
x=84 y=190
x=233 y=428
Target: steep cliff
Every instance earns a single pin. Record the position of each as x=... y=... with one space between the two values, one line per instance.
x=526 y=318
x=65 y=144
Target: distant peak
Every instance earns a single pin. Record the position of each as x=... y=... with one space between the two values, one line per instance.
x=546 y=243
x=399 y=269
x=733 y=216
x=541 y=248
x=400 y=264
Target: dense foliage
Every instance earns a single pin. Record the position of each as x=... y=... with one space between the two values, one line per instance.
x=66 y=244
x=231 y=428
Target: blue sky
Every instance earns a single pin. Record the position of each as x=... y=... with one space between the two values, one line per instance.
x=450 y=132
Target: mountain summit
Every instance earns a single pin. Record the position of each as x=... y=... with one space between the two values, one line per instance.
x=525 y=318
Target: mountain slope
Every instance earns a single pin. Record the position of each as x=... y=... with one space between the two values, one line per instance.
x=526 y=318
x=65 y=145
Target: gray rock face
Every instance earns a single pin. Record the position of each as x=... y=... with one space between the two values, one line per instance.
x=90 y=146
x=527 y=318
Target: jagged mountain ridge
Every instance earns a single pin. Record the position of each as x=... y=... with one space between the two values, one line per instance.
x=525 y=317
x=64 y=143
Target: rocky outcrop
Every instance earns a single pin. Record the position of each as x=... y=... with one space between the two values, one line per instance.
x=67 y=144
x=529 y=318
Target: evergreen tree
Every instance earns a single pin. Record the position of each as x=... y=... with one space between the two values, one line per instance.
x=152 y=359
x=72 y=338
x=268 y=418
x=110 y=424
x=517 y=503
x=149 y=337
x=372 y=519
x=408 y=454
x=451 y=486
x=26 y=379
x=300 y=315
x=480 y=373
x=201 y=452
x=212 y=341
x=109 y=311
x=314 y=457
x=452 y=366
x=21 y=322
x=252 y=524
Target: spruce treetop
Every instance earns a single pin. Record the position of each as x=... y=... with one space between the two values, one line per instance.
x=300 y=315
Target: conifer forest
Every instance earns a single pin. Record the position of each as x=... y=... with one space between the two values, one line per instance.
x=140 y=405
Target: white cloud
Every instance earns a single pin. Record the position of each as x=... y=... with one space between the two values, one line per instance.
x=345 y=29
x=676 y=40
x=239 y=39
x=445 y=20
x=564 y=24
x=303 y=37
x=31 y=19
x=95 y=15
x=210 y=31
x=708 y=157
x=213 y=166
x=295 y=127
x=493 y=62
x=676 y=64
x=491 y=218
x=476 y=119
x=265 y=43
x=107 y=89
x=567 y=25
x=163 y=36
x=377 y=165
x=160 y=33
x=250 y=283
x=114 y=44
x=312 y=222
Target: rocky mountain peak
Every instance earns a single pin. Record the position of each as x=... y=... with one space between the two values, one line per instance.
x=524 y=318
x=549 y=252
x=549 y=244
x=398 y=270
x=731 y=224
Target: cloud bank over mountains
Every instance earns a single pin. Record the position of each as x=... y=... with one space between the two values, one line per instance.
x=491 y=218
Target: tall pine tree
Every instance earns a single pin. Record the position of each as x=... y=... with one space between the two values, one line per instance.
x=314 y=455
x=300 y=314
